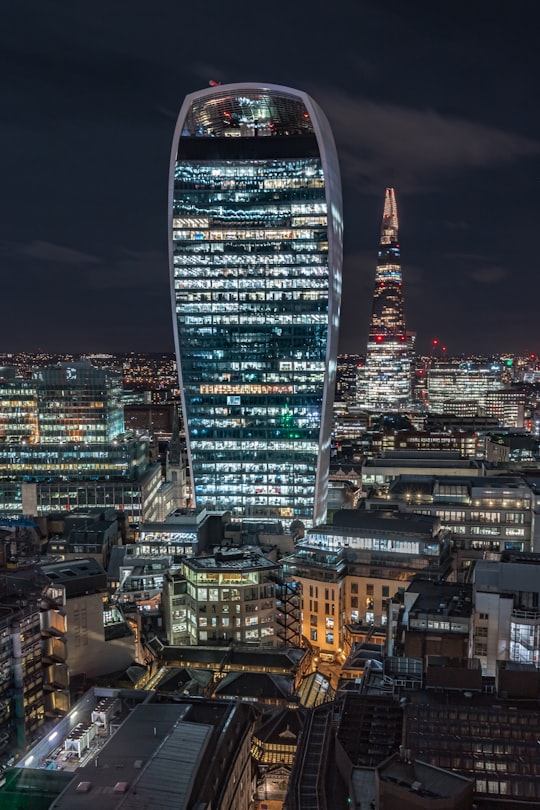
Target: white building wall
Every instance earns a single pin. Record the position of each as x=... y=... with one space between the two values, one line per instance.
x=491 y=630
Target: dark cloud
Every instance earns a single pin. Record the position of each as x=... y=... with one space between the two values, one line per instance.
x=60 y=254
x=127 y=268
x=415 y=147
x=460 y=225
x=489 y=275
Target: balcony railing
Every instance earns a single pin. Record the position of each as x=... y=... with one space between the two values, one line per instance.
x=530 y=615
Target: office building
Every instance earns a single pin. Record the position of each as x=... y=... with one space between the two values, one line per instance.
x=461 y=387
x=255 y=253
x=22 y=676
x=385 y=379
x=98 y=640
x=348 y=571
x=484 y=514
x=508 y=406
x=89 y=534
x=437 y=619
x=63 y=446
x=66 y=423
x=139 y=499
x=379 y=473
x=231 y=596
x=478 y=737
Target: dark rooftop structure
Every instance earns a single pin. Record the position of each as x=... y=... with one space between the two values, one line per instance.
x=370 y=728
x=262 y=686
x=185 y=681
x=464 y=675
x=169 y=756
x=445 y=599
x=417 y=784
x=491 y=741
x=237 y=560
x=386 y=521
x=450 y=488
x=77 y=576
x=517 y=681
x=289 y=660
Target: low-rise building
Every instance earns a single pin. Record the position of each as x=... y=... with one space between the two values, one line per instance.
x=97 y=638
x=89 y=533
x=506 y=611
x=380 y=473
x=437 y=619
x=231 y=596
x=487 y=514
x=181 y=753
x=348 y=571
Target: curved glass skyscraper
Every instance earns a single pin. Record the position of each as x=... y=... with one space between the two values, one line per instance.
x=255 y=252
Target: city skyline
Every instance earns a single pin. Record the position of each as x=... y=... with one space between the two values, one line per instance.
x=435 y=105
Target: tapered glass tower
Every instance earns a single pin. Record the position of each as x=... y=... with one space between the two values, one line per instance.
x=255 y=252
x=384 y=382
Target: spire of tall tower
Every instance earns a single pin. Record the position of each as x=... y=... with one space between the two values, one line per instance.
x=385 y=381
x=390 y=224
x=387 y=314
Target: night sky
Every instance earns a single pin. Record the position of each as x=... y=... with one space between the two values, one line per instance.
x=437 y=99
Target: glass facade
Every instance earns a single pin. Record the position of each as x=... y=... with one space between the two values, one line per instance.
x=461 y=383
x=65 y=403
x=384 y=382
x=18 y=408
x=78 y=402
x=127 y=458
x=66 y=422
x=256 y=247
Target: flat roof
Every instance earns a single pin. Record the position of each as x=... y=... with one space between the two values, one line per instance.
x=151 y=761
x=66 y=570
x=452 y=598
x=361 y=520
x=424 y=779
x=427 y=483
x=232 y=562
x=276 y=658
x=511 y=577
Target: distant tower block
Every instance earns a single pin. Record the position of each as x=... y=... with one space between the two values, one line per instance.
x=256 y=252
x=384 y=382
